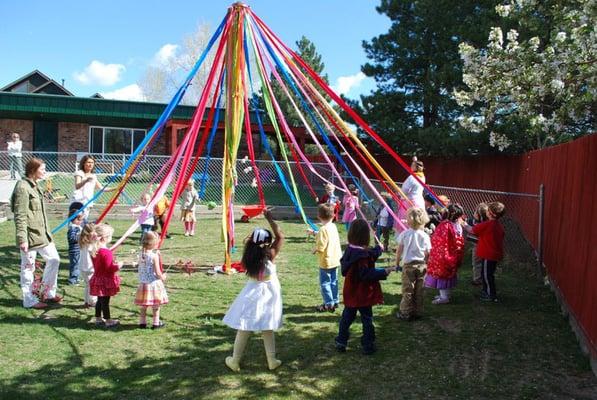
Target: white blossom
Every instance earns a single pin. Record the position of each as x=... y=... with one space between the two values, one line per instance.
x=503 y=10
x=534 y=42
x=557 y=84
x=561 y=37
x=499 y=141
x=496 y=38
x=463 y=98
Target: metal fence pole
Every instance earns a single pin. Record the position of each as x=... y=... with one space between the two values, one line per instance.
x=540 y=233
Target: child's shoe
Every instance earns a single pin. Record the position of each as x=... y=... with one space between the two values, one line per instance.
x=186 y=233
x=340 y=348
x=232 y=363
x=404 y=317
x=441 y=300
x=369 y=350
x=273 y=362
x=192 y=233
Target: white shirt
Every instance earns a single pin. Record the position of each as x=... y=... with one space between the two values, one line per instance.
x=415 y=243
x=86 y=192
x=414 y=191
x=14 y=148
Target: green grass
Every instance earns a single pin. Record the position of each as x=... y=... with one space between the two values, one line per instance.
x=519 y=348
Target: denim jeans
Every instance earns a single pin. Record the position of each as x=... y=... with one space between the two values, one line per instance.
x=328 y=280
x=348 y=316
x=74 y=256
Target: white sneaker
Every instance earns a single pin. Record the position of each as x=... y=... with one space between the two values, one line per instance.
x=441 y=300
x=186 y=233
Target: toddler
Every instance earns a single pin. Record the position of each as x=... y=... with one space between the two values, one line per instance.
x=258 y=307
x=151 y=291
x=350 y=202
x=86 y=264
x=328 y=250
x=146 y=218
x=361 y=287
x=412 y=253
x=190 y=198
x=105 y=281
x=72 y=236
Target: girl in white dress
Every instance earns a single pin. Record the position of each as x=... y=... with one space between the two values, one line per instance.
x=258 y=307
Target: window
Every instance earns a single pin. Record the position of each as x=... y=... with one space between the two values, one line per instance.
x=114 y=140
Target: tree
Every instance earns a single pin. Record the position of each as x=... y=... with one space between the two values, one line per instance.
x=416 y=66
x=541 y=78
x=163 y=78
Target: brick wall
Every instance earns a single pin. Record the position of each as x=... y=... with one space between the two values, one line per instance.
x=73 y=137
x=22 y=127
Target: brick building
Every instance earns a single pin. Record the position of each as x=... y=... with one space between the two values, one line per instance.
x=50 y=118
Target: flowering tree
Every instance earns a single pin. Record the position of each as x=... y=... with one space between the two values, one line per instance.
x=544 y=85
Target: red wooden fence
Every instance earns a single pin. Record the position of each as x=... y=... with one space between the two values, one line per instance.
x=569 y=175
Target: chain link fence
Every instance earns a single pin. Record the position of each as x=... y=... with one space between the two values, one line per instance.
x=207 y=174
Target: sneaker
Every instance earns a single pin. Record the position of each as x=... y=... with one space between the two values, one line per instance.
x=441 y=300
x=404 y=317
x=340 y=348
x=158 y=326
x=186 y=233
x=192 y=233
x=142 y=326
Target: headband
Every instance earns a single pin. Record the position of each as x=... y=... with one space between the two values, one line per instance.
x=260 y=235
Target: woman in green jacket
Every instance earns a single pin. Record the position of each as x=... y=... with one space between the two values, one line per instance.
x=33 y=236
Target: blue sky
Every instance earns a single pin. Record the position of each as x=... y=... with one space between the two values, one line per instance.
x=105 y=46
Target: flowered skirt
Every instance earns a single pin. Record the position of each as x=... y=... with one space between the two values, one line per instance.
x=151 y=294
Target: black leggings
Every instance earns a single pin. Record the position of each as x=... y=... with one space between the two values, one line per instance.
x=102 y=306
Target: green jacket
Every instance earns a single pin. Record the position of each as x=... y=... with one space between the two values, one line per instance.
x=30 y=215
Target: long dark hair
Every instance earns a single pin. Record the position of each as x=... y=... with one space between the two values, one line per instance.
x=257 y=253
x=358 y=233
x=455 y=211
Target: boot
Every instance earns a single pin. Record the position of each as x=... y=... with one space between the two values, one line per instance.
x=269 y=343
x=240 y=342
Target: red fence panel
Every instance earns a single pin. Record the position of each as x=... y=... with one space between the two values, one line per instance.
x=569 y=175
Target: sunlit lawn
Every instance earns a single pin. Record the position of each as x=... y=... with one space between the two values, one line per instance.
x=519 y=348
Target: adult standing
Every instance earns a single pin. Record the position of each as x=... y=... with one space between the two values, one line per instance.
x=33 y=236
x=86 y=182
x=15 y=155
x=413 y=191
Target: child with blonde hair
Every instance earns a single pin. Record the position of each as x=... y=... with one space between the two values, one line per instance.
x=151 y=291
x=190 y=198
x=147 y=219
x=413 y=250
x=86 y=264
x=105 y=281
x=328 y=250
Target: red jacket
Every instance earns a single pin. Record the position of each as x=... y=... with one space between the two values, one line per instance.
x=447 y=250
x=491 y=240
x=361 y=286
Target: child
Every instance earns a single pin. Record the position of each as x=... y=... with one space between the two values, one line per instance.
x=490 y=247
x=159 y=214
x=86 y=264
x=258 y=307
x=350 y=202
x=330 y=198
x=412 y=253
x=479 y=216
x=147 y=218
x=151 y=291
x=328 y=250
x=190 y=198
x=447 y=248
x=72 y=236
x=384 y=221
x=105 y=281
x=361 y=286
x=433 y=213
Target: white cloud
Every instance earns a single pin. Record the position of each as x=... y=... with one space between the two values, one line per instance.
x=131 y=92
x=165 y=53
x=345 y=83
x=98 y=73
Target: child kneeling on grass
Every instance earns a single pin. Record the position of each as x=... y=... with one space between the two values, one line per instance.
x=412 y=253
x=361 y=286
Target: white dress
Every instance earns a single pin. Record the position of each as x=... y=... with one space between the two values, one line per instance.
x=258 y=307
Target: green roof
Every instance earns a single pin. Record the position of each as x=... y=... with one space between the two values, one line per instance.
x=92 y=111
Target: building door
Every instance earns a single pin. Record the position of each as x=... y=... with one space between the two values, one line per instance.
x=45 y=139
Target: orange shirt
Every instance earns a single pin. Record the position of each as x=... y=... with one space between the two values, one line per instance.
x=161 y=206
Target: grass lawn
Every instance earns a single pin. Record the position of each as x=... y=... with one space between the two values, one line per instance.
x=518 y=348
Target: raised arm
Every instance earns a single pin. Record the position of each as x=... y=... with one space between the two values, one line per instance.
x=278 y=235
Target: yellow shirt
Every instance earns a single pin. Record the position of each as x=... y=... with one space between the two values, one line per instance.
x=327 y=246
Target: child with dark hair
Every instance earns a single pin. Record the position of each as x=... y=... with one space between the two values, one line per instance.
x=72 y=236
x=361 y=286
x=447 y=249
x=258 y=307
x=490 y=247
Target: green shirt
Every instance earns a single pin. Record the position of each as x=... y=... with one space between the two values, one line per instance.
x=30 y=215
